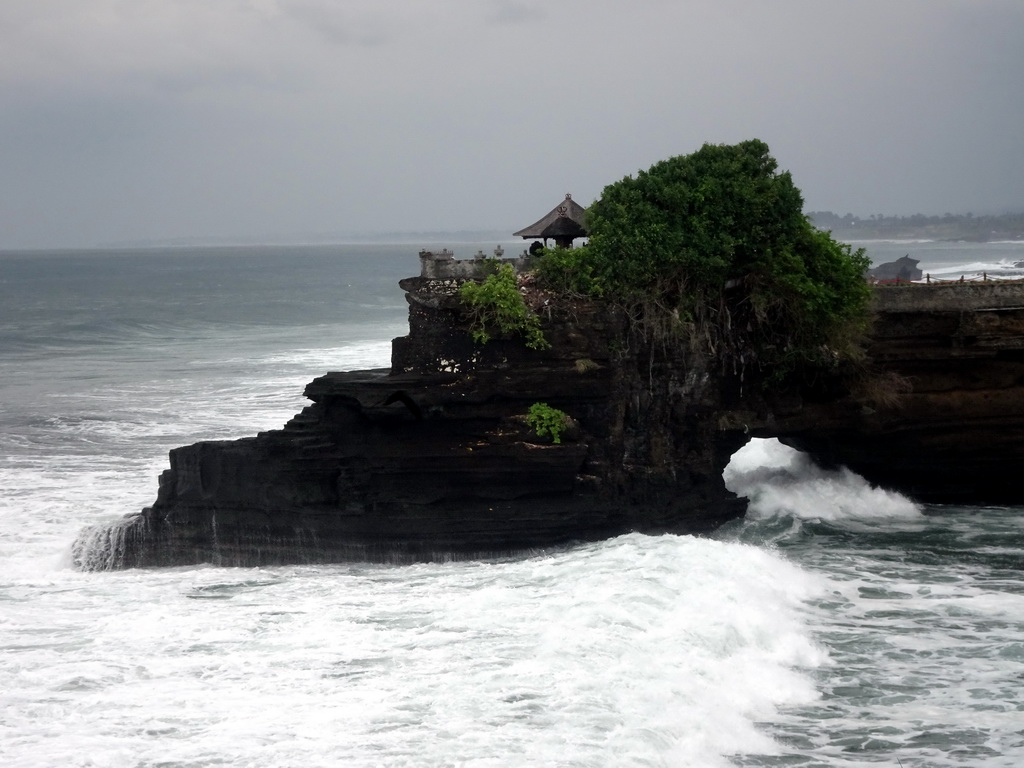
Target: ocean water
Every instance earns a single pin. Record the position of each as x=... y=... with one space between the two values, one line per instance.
x=944 y=260
x=837 y=625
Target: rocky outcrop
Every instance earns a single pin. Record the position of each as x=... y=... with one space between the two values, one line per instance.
x=904 y=268
x=433 y=457
x=941 y=418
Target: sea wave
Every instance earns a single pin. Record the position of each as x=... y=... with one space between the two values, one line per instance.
x=782 y=482
x=640 y=650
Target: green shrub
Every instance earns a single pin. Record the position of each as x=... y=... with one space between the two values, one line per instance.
x=716 y=242
x=496 y=307
x=547 y=421
x=569 y=271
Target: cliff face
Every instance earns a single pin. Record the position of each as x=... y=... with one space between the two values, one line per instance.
x=955 y=431
x=433 y=458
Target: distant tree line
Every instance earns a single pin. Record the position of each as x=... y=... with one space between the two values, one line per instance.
x=1008 y=226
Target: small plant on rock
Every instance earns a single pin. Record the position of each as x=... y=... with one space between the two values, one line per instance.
x=547 y=421
x=496 y=306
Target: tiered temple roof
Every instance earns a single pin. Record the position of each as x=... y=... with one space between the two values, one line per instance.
x=564 y=223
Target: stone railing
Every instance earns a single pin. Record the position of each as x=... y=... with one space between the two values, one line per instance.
x=948 y=296
x=442 y=265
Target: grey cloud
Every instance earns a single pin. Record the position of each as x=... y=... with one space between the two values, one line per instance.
x=514 y=12
x=338 y=23
x=198 y=118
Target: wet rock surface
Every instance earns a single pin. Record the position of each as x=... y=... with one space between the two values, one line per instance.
x=433 y=458
x=954 y=433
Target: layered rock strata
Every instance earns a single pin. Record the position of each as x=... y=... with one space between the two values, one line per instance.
x=433 y=458
x=942 y=417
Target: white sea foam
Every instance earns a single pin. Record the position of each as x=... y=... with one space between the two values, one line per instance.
x=353 y=356
x=976 y=271
x=780 y=481
x=923 y=635
x=91 y=451
x=636 y=651
x=927 y=651
x=645 y=650
x=668 y=651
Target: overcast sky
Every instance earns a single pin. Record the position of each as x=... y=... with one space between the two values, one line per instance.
x=127 y=120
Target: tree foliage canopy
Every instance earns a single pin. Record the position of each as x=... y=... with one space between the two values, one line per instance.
x=719 y=238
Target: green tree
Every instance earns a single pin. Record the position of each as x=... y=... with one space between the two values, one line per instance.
x=717 y=242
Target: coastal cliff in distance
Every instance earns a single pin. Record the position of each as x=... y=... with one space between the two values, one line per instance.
x=433 y=458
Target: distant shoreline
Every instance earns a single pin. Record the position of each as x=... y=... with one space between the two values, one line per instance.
x=414 y=240
x=358 y=238
x=966 y=228
x=950 y=228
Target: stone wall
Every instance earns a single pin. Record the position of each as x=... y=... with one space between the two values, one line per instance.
x=442 y=265
x=945 y=297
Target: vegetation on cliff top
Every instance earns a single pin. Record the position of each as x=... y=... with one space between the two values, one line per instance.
x=717 y=243
x=496 y=307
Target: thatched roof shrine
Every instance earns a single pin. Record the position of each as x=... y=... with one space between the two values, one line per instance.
x=565 y=222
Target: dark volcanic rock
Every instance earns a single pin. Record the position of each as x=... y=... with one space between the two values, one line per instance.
x=904 y=268
x=945 y=422
x=433 y=458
